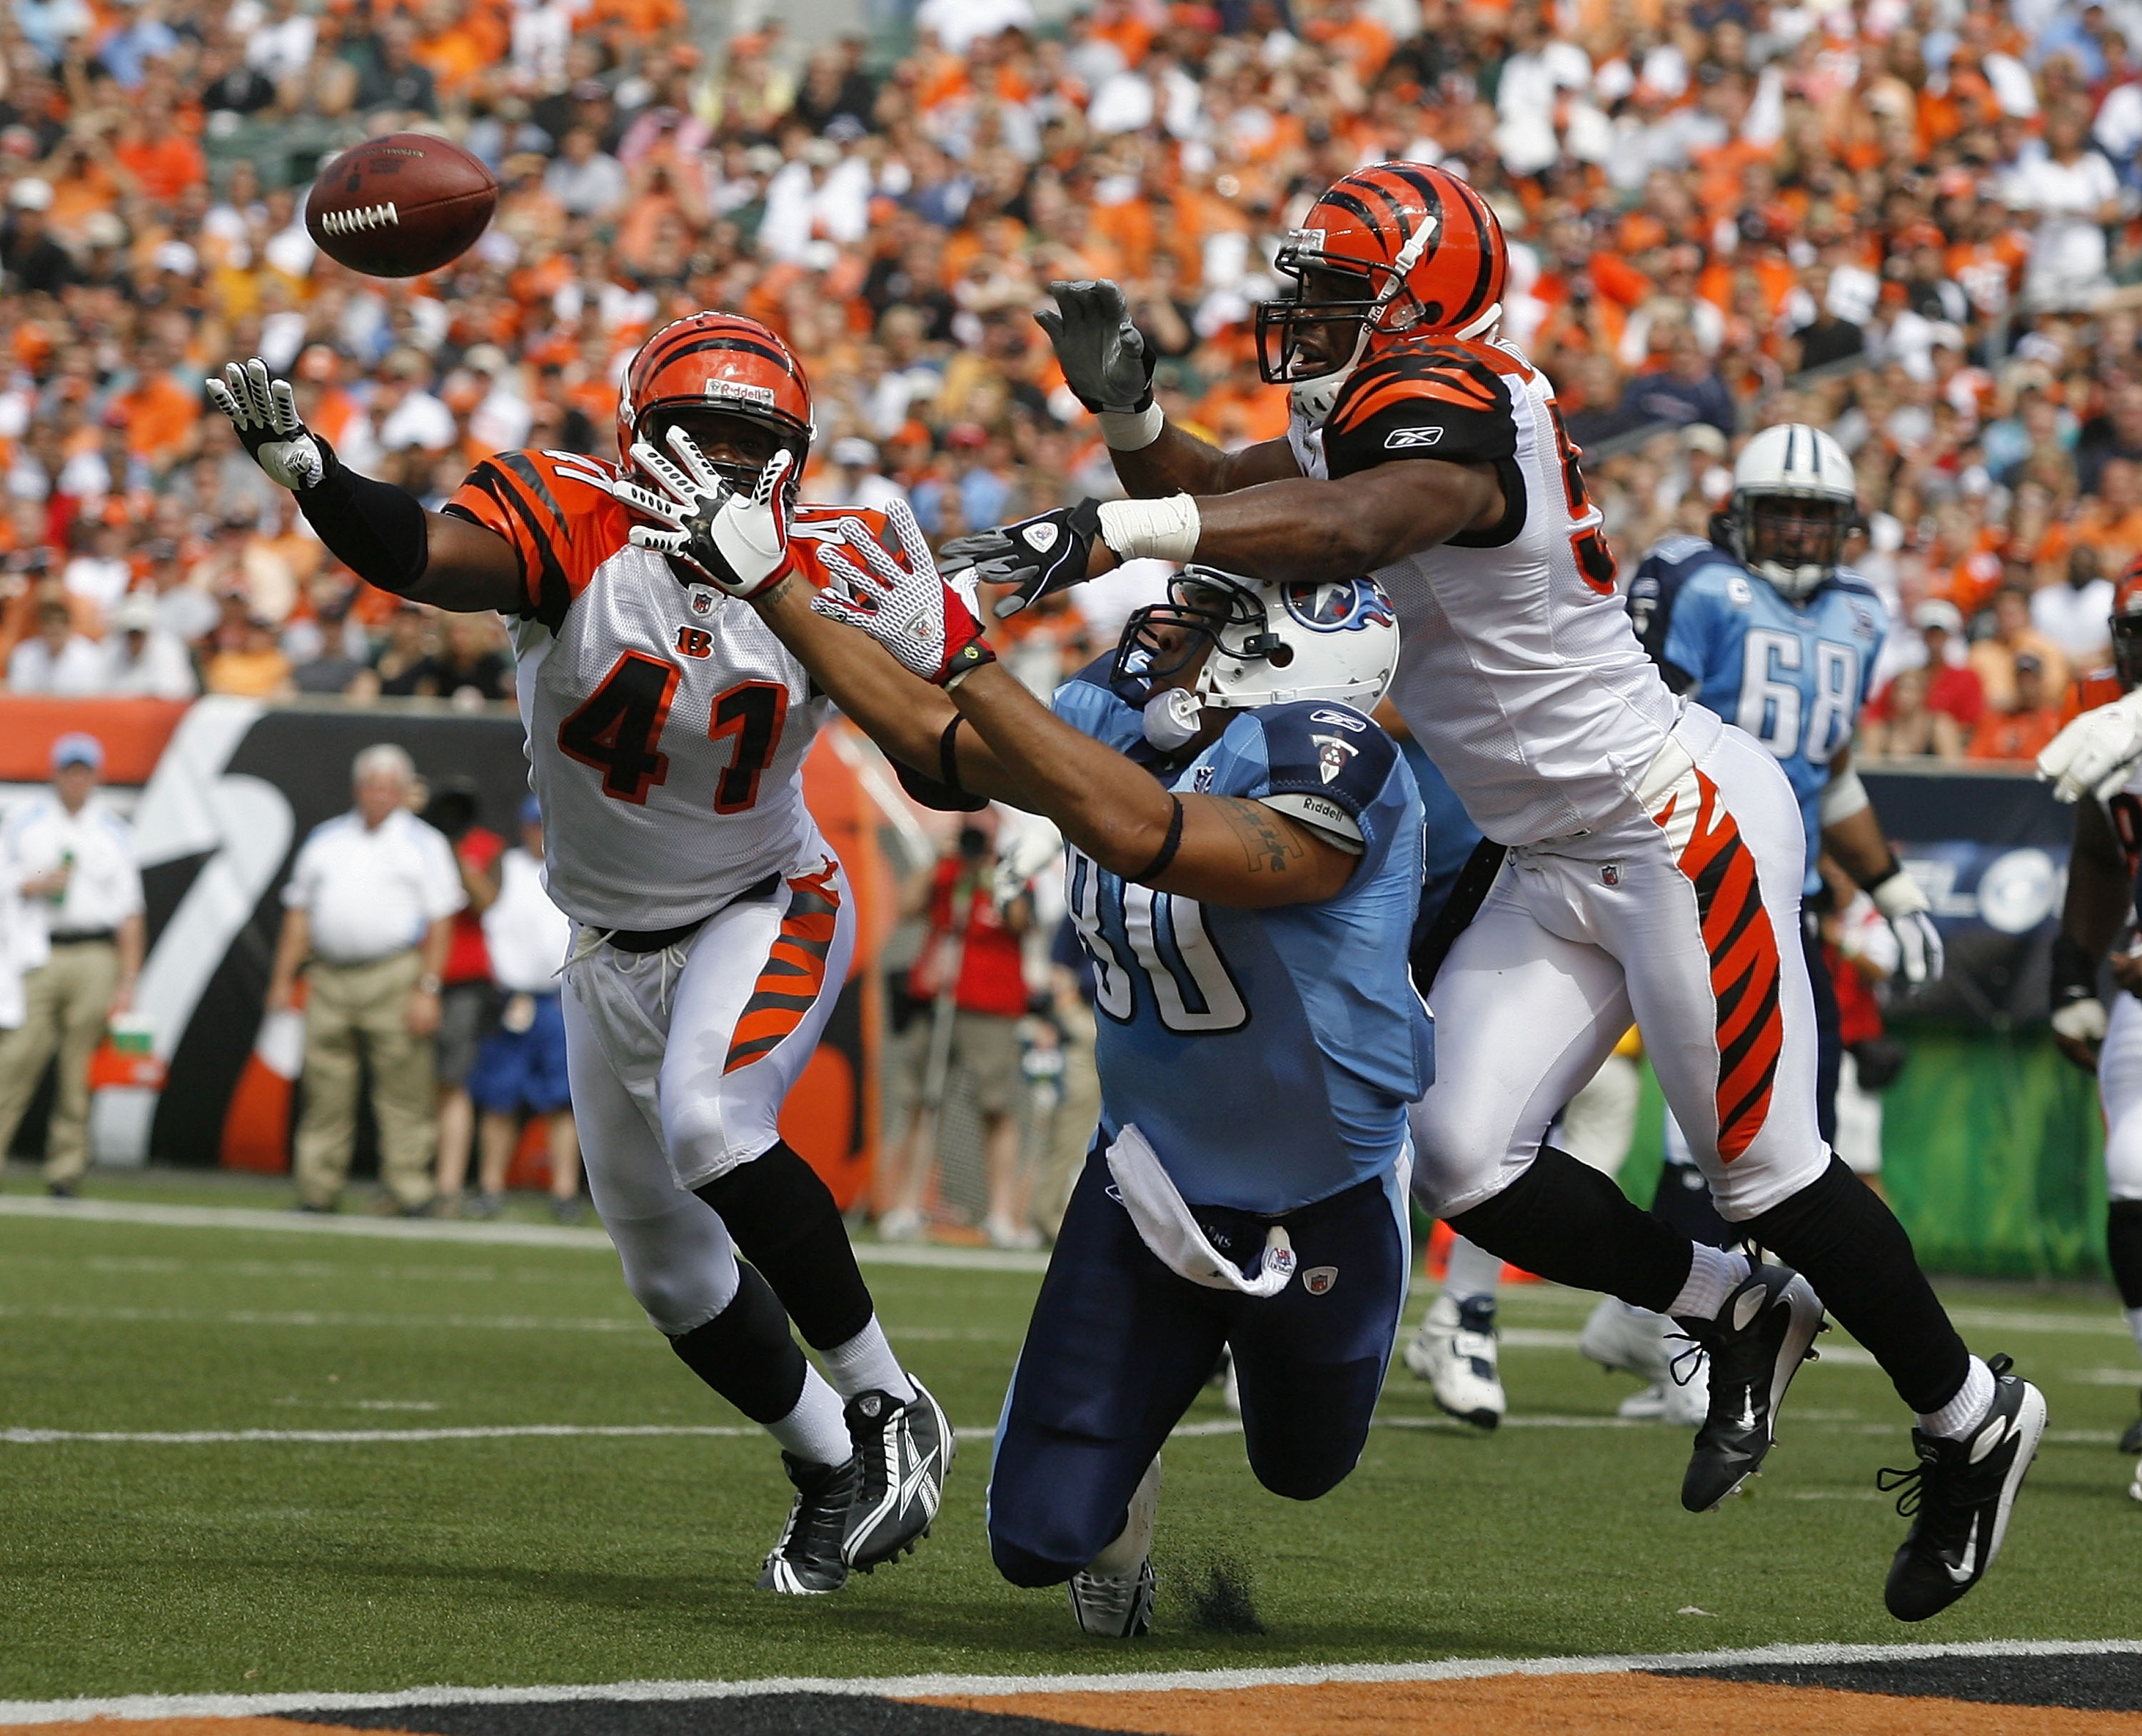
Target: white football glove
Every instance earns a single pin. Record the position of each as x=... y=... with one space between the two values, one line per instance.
x=264 y=410
x=1920 y=955
x=2081 y=1021
x=738 y=542
x=2095 y=754
x=930 y=624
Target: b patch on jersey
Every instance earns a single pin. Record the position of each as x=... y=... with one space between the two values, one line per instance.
x=1399 y=439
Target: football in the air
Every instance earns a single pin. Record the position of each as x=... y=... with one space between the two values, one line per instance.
x=400 y=206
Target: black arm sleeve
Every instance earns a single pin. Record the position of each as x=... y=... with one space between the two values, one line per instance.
x=373 y=528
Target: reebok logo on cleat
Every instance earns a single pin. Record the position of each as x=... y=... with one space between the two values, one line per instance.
x=1748 y=1307
x=1989 y=1437
x=1962 y=1575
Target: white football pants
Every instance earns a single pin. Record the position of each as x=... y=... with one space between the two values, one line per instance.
x=2119 y=1091
x=680 y=1061
x=1683 y=917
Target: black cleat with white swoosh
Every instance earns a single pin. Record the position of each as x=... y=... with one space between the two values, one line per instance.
x=1958 y=1497
x=1761 y=1335
x=904 y=1451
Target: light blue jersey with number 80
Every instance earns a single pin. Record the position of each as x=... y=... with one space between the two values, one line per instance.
x=1267 y=1055
x=1793 y=676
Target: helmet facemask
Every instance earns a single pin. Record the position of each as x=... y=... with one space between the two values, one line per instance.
x=1794 y=541
x=1207 y=614
x=655 y=427
x=1384 y=305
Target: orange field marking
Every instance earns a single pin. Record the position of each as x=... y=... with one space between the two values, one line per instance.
x=1576 y=1705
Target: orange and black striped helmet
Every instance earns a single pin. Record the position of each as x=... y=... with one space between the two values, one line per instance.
x=716 y=362
x=1425 y=248
x=2125 y=625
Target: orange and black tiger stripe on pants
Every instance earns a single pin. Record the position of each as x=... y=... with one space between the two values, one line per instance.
x=1709 y=850
x=795 y=972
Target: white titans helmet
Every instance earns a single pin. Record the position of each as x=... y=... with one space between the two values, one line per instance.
x=1794 y=501
x=1270 y=644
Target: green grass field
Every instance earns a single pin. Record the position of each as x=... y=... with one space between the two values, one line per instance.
x=137 y=1566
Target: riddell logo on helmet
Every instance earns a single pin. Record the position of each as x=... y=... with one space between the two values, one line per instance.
x=759 y=395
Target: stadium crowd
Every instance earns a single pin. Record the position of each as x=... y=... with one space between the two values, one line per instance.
x=1912 y=221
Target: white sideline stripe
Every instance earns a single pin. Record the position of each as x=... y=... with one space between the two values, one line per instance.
x=729 y=1431
x=445 y=1229
x=427 y=1322
x=1303 y=1675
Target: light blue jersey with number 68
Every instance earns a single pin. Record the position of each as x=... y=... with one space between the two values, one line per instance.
x=1793 y=676
x=1268 y=1056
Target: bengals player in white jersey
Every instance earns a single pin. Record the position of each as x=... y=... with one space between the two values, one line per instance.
x=667 y=728
x=1644 y=860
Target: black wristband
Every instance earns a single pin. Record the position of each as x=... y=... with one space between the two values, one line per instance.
x=1169 y=845
x=374 y=529
x=1883 y=878
x=948 y=755
x=2074 y=971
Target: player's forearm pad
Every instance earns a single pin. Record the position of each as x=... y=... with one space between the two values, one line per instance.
x=374 y=529
x=1165 y=530
x=1841 y=798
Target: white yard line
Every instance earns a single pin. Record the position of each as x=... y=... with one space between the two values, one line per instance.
x=444 y=1230
x=1305 y=1675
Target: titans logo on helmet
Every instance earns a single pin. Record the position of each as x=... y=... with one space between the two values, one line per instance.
x=1340 y=607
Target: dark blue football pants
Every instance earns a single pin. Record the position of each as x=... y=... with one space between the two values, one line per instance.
x=1119 y=1346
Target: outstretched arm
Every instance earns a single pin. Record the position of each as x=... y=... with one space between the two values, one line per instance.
x=1014 y=749
x=382 y=532
x=1179 y=462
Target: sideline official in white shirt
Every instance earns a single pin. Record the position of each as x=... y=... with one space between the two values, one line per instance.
x=370 y=904
x=83 y=931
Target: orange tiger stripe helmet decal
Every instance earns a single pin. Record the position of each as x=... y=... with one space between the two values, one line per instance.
x=795 y=973
x=1426 y=249
x=1745 y=970
x=722 y=362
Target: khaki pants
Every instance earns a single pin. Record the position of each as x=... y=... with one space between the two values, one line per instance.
x=363 y=1010
x=67 y=1002
x=1071 y=1129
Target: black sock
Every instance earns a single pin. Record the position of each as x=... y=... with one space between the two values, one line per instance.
x=1839 y=1232
x=784 y=1218
x=746 y=1354
x=2123 y=1249
x=1566 y=1222
x=1683 y=1199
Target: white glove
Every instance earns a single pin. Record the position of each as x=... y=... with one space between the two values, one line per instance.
x=264 y=410
x=2095 y=754
x=2081 y=1021
x=1920 y=954
x=930 y=624
x=738 y=542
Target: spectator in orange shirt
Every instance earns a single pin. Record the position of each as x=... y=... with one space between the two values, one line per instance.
x=2013 y=639
x=163 y=159
x=2020 y=733
x=2111 y=522
x=162 y=416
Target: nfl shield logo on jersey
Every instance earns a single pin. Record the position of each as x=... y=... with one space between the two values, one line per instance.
x=1318 y=1281
x=703 y=600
